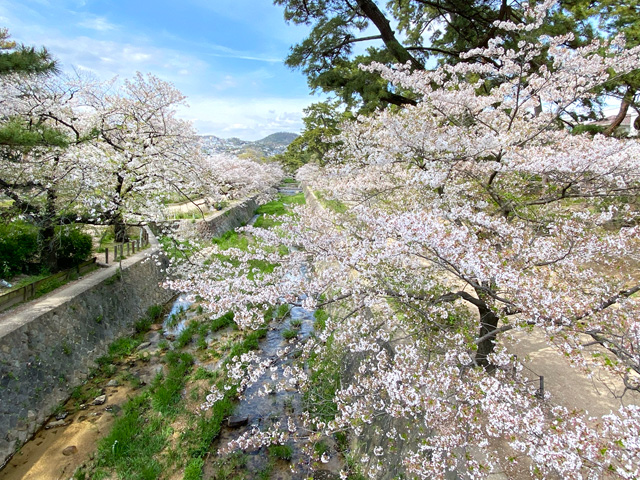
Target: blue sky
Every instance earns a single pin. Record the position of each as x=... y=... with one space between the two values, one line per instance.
x=225 y=55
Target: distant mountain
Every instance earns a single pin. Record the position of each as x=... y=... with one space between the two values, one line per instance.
x=280 y=138
x=273 y=144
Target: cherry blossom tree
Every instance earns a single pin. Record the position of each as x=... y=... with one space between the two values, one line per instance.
x=142 y=150
x=41 y=173
x=463 y=219
x=98 y=153
x=237 y=177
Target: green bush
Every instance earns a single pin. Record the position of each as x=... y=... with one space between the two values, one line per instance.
x=18 y=246
x=74 y=246
x=590 y=129
x=284 y=452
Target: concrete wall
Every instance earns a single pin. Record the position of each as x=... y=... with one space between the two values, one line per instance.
x=48 y=346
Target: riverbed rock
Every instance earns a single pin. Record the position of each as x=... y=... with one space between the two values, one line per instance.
x=101 y=400
x=155 y=327
x=325 y=475
x=56 y=424
x=143 y=345
x=154 y=338
x=113 y=383
x=70 y=450
x=237 y=421
x=112 y=409
x=62 y=415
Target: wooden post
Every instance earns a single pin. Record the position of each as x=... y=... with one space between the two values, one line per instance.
x=133 y=247
x=128 y=247
x=106 y=255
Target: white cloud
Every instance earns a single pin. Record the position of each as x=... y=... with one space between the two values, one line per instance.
x=248 y=119
x=109 y=58
x=99 y=24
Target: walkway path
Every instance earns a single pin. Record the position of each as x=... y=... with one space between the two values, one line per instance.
x=24 y=313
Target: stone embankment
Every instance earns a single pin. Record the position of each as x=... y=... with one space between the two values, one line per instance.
x=48 y=346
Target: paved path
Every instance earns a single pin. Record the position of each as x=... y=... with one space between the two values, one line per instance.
x=599 y=395
x=24 y=313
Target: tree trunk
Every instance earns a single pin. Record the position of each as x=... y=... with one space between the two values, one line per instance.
x=488 y=324
x=622 y=113
x=48 y=253
x=117 y=219
x=119 y=228
x=401 y=54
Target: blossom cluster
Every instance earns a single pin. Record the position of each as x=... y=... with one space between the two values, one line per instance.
x=465 y=218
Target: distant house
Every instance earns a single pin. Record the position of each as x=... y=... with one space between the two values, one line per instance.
x=628 y=128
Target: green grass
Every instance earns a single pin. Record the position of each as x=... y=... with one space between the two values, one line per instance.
x=230 y=467
x=266 y=222
x=166 y=393
x=193 y=471
x=131 y=449
x=204 y=374
x=154 y=313
x=231 y=239
x=320 y=317
x=289 y=333
x=283 y=452
x=124 y=346
x=177 y=250
x=324 y=382
x=282 y=311
x=48 y=286
x=277 y=208
x=134 y=441
x=16 y=285
x=297 y=199
x=222 y=322
x=203 y=328
x=334 y=205
x=189 y=215
x=250 y=342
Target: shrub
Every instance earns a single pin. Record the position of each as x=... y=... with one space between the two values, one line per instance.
x=74 y=246
x=590 y=129
x=18 y=246
x=284 y=452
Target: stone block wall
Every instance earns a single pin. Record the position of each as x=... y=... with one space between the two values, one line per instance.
x=230 y=218
x=48 y=347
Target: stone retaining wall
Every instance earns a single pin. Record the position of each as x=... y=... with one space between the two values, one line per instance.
x=48 y=348
x=229 y=218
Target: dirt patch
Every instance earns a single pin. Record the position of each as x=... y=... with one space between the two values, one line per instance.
x=42 y=458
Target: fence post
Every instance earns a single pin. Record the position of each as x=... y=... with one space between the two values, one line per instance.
x=540 y=392
x=133 y=247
